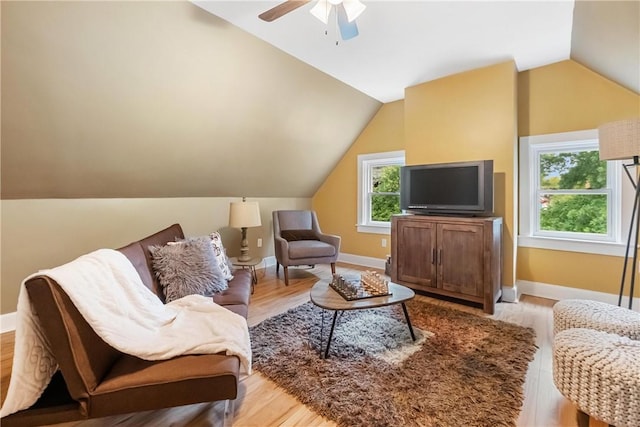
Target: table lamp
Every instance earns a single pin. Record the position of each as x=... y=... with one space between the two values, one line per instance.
x=243 y=215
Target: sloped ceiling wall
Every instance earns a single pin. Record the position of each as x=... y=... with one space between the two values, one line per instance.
x=162 y=99
x=606 y=39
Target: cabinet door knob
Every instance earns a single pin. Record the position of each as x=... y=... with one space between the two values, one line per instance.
x=439 y=256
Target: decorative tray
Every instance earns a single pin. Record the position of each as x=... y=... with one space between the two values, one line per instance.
x=370 y=285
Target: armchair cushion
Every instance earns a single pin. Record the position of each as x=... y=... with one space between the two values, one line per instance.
x=310 y=249
x=295 y=235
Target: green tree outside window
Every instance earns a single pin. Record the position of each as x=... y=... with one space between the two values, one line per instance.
x=385 y=192
x=565 y=203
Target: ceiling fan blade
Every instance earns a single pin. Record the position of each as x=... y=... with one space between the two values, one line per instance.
x=282 y=9
x=348 y=30
x=322 y=10
x=353 y=8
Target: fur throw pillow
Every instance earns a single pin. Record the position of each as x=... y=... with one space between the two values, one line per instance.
x=189 y=267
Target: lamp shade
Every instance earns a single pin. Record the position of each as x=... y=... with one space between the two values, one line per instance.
x=619 y=140
x=244 y=214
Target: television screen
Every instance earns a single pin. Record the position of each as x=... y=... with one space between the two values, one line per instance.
x=453 y=188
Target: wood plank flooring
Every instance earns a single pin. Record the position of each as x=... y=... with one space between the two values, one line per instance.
x=261 y=403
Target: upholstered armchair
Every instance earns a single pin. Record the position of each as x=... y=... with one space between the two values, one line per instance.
x=299 y=241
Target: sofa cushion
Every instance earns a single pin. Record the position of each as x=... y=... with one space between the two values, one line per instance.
x=310 y=249
x=238 y=291
x=294 y=235
x=189 y=267
x=136 y=255
x=135 y=384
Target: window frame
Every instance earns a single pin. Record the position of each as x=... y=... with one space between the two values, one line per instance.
x=366 y=163
x=530 y=234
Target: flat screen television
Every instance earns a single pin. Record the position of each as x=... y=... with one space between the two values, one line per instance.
x=462 y=188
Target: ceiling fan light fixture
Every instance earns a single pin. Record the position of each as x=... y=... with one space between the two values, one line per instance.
x=353 y=8
x=321 y=10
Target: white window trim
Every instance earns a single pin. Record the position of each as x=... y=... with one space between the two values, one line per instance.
x=621 y=198
x=365 y=162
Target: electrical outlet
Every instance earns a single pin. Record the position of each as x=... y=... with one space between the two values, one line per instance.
x=259 y=242
x=384 y=243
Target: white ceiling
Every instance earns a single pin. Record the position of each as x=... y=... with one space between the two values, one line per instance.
x=403 y=43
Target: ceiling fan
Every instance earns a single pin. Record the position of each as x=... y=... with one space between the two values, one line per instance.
x=346 y=11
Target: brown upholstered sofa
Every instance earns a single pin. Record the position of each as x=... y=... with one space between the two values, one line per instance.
x=95 y=380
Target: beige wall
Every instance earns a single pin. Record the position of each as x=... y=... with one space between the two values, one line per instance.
x=336 y=200
x=162 y=99
x=120 y=118
x=39 y=234
x=563 y=97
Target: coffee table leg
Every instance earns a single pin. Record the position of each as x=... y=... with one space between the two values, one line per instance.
x=406 y=316
x=333 y=324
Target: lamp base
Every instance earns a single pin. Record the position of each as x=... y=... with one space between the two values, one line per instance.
x=244 y=247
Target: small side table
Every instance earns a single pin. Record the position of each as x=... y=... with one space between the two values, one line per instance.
x=251 y=265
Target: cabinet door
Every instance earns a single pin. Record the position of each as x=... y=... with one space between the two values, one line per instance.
x=416 y=252
x=461 y=258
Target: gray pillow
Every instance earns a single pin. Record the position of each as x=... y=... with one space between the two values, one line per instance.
x=187 y=267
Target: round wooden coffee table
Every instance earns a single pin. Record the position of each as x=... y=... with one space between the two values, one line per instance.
x=325 y=297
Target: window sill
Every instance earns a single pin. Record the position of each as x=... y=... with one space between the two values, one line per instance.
x=375 y=229
x=588 y=247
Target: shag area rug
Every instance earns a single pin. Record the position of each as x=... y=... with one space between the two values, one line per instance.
x=462 y=370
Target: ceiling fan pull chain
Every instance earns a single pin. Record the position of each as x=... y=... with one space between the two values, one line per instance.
x=336 y=28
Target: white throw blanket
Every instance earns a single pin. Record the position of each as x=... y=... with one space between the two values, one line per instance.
x=108 y=292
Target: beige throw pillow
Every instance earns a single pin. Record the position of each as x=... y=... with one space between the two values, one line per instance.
x=221 y=255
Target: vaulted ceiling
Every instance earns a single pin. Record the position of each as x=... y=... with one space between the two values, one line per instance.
x=165 y=99
x=403 y=43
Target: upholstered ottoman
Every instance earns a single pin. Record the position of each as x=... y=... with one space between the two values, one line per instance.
x=600 y=373
x=577 y=313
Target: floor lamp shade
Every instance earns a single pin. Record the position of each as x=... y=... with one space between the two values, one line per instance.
x=243 y=215
x=621 y=140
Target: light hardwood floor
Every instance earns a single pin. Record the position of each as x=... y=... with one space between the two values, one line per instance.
x=261 y=403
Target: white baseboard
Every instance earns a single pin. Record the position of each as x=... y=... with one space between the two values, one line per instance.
x=364 y=261
x=268 y=262
x=510 y=293
x=7 y=322
x=556 y=292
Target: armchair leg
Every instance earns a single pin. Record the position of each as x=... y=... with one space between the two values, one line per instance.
x=277 y=268
x=333 y=268
x=286 y=275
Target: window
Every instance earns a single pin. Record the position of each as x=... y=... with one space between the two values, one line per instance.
x=378 y=190
x=570 y=199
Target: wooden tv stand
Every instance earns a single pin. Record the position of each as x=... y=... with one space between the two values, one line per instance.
x=456 y=257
